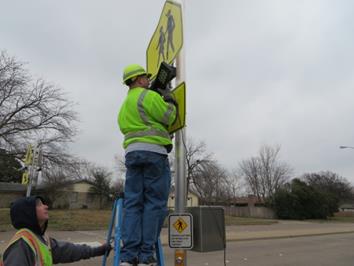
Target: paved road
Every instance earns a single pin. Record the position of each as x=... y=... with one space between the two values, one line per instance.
x=325 y=250
x=283 y=243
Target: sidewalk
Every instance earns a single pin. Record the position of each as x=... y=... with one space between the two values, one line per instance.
x=282 y=229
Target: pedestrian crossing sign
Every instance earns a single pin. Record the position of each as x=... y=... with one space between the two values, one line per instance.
x=167 y=40
x=180 y=231
x=180 y=225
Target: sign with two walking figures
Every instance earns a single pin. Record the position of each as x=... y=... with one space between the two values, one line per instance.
x=167 y=40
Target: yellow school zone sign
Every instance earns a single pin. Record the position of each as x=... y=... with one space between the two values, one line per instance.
x=167 y=40
x=179 y=94
x=28 y=161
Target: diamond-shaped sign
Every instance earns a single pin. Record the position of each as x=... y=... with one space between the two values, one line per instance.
x=179 y=94
x=180 y=225
x=167 y=40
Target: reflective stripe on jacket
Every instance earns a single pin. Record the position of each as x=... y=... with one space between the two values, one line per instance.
x=145 y=117
x=41 y=252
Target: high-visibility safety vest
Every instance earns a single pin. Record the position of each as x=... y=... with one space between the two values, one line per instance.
x=145 y=117
x=42 y=253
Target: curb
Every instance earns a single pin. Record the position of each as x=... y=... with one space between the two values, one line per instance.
x=164 y=241
x=289 y=236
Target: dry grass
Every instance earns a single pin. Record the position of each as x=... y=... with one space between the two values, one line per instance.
x=344 y=214
x=343 y=217
x=71 y=220
x=79 y=219
x=67 y=219
x=232 y=220
x=5 y=222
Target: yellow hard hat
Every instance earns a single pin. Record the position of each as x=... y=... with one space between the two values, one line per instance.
x=133 y=71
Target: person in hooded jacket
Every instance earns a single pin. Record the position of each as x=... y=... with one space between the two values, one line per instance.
x=30 y=246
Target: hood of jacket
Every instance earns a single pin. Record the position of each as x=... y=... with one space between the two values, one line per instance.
x=23 y=214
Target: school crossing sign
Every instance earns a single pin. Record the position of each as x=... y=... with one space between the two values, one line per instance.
x=167 y=40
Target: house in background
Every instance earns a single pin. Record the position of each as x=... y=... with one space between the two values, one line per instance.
x=68 y=195
x=192 y=199
x=77 y=194
x=9 y=192
x=347 y=207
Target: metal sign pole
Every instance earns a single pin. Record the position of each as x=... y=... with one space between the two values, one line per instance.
x=180 y=162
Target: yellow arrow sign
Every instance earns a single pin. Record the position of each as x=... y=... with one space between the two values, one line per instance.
x=167 y=39
x=179 y=94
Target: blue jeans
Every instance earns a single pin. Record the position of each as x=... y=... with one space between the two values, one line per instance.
x=147 y=188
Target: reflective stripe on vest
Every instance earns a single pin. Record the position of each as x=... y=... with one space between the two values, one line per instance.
x=167 y=114
x=144 y=118
x=141 y=110
x=41 y=258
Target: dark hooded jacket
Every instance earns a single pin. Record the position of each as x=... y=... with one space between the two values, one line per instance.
x=23 y=215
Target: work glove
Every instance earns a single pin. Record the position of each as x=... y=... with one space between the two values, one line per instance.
x=101 y=250
x=167 y=96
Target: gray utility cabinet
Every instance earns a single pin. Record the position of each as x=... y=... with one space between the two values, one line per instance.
x=208 y=228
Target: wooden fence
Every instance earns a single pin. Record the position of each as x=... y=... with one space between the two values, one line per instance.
x=250 y=211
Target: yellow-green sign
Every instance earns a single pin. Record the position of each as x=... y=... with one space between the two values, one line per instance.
x=179 y=94
x=167 y=39
x=29 y=155
x=25 y=178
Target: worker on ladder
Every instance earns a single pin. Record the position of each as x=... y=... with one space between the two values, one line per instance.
x=143 y=119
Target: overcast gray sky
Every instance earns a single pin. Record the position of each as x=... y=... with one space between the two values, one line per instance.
x=257 y=72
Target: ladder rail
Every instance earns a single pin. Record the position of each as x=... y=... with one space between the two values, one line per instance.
x=118 y=232
x=159 y=253
x=109 y=235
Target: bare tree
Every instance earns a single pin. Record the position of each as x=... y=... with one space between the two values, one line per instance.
x=196 y=156
x=117 y=187
x=101 y=179
x=120 y=165
x=250 y=170
x=234 y=184
x=32 y=111
x=265 y=173
x=210 y=181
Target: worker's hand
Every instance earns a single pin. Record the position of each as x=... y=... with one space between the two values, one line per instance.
x=102 y=250
x=167 y=96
